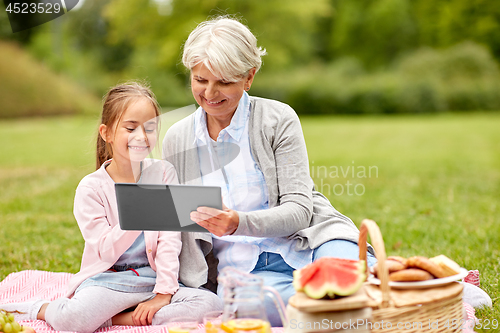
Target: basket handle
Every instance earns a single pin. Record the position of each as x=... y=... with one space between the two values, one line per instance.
x=371 y=228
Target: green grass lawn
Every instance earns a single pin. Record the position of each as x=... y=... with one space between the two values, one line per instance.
x=431 y=182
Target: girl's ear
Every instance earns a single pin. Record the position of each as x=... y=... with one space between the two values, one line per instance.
x=103 y=132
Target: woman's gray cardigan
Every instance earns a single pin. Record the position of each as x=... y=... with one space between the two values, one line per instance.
x=295 y=211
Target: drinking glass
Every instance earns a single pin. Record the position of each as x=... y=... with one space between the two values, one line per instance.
x=182 y=325
x=212 y=321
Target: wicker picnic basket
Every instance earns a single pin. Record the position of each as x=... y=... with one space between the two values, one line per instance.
x=438 y=309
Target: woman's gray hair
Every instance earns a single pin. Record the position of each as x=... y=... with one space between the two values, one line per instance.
x=225 y=46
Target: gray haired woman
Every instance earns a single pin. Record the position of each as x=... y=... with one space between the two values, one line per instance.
x=273 y=221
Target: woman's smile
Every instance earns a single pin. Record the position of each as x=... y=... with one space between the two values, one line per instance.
x=214 y=102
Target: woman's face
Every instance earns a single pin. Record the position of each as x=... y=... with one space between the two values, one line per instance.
x=216 y=96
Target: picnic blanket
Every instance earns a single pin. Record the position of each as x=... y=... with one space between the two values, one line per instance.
x=30 y=285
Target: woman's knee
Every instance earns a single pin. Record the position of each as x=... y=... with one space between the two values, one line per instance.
x=341 y=248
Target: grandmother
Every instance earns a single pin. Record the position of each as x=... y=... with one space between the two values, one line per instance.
x=274 y=221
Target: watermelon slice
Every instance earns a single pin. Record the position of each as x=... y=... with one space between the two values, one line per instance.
x=302 y=276
x=328 y=276
x=348 y=263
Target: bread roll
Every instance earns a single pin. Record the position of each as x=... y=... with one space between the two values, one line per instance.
x=447 y=265
x=410 y=275
x=402 y=260
x=427 y=265
x=392 y=266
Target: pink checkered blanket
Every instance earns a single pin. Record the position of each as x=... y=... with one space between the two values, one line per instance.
x=30 y=285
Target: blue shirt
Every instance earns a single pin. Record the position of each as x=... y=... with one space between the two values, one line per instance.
x=228 y=162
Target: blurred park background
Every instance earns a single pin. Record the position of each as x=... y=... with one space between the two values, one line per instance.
x=324 y=56
x=410 y=87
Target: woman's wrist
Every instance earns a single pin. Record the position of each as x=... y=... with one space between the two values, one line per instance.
x=235 y=218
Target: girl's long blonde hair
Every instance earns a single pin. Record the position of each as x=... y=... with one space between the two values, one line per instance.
x=115 y=102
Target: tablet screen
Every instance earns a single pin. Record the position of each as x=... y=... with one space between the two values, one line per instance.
x=163 y=207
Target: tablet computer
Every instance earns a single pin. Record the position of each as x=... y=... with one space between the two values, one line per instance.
x=163 y=207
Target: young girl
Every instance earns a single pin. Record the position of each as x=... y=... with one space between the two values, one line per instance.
x=122 y=270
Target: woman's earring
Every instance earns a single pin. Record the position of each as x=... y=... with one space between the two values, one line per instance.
x=247 y=88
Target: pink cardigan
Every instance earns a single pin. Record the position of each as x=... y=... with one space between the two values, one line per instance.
x=96 y=212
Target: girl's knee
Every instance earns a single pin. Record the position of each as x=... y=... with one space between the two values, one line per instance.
x=202 y=301
x=213 y=302
x=65 y=318
x=201 y=297
x=63 y=323
x=189 y=302
x=209 y=301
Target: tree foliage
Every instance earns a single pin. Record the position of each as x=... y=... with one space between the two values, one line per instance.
x=143 y=39
x=297 y=32
x=442 y=23
x=89 y=30
x=285 y=29
x=373 y=31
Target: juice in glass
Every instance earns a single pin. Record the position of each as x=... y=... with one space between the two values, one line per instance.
x=246 y=325
x=182 y=325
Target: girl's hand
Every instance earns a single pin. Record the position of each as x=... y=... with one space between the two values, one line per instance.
x=218 y=222
x=143 y=314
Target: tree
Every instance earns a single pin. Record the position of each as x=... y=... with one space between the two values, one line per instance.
x=442 y=23
x=374 y=31
x=89 y=31
x=285 y=29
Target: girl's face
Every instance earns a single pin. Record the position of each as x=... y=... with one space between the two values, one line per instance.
x=133 y=138
x=217 y=97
